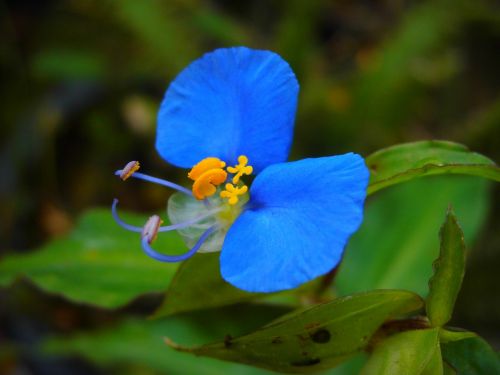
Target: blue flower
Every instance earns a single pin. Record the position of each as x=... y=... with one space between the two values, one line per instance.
x=230 y=115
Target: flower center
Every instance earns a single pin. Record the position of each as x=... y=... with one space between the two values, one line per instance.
x=209 y=173
x=202 y=222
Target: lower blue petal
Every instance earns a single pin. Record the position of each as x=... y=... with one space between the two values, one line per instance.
x=297 y=224
x=230 y=102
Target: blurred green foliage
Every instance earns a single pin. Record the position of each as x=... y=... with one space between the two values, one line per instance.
x=97 y=264
x=81 y=82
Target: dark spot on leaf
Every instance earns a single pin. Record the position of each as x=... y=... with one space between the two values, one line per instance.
x=306 y=362
x=228 y=341
x=277 y=340
x=321 y=336
x=373 y=167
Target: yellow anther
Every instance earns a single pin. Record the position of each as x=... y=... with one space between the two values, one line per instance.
x=205 y=185
x=129 y=170
x=205 y=165
x=233 y=192
x=240 y=169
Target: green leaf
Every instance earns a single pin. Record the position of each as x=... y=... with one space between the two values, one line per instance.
x=139 y=342
x=197 y=285
x=448 y=370
x=404 y=162
x=435 y=365
x=471 y=356
x=318 y=338
x=99 y=263
x=449 y=271
x=411 y=353
x=396 y=244
x=351 y=366
x=446 y=335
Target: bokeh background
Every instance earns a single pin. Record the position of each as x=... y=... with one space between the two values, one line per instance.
x=82 y=81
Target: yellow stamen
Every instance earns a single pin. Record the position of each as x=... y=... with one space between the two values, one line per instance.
x=240 y=169
x=129 y=170
x=205 y=185
x=232 y=192
x=205 y=165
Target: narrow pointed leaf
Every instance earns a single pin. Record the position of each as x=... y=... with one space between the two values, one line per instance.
x=471 y=356
x=314 y=339
x=411 y=353
x=404 y=162
x=98 y=263
x=449 y=271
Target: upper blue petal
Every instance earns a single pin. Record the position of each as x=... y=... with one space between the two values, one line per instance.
x=299 y=218
x=230 y=102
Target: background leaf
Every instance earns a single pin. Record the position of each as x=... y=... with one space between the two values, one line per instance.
x=471 y=356
x=449 y=271
x=198 y=284
x=396 y=243
x=135 y=342
x=317 y=338
x=404 y=162
x=99 y=263
x=164 y=40
x=448 y=370
x=139 y=343
x=408 y=353
x=69 y=64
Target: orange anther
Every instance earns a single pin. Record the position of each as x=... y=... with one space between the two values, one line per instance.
x=205 y=185
x=205 y=165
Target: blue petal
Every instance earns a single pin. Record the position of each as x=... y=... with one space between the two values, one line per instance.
x=299 y=219
x=230 y=102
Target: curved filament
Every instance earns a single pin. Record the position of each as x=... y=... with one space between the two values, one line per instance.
x=175 y=258
x=156 y=180
x=164 y=228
